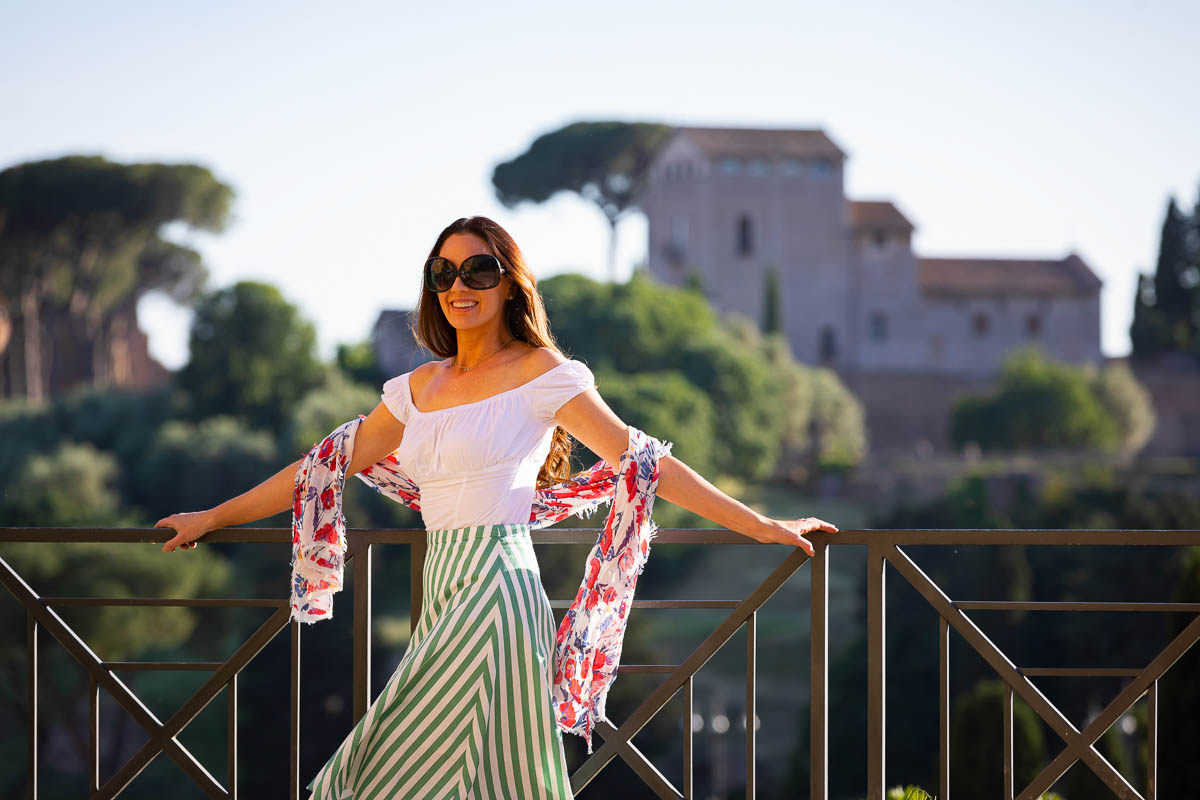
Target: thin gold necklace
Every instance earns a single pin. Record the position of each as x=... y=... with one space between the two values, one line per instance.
x=477 y=363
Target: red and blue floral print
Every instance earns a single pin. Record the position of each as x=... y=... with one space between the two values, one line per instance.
x=588 y=644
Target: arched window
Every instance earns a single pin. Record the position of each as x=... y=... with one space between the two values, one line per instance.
x=827 y=344
x=745 y=235
x=981 y=323
x=878 y=325
x=679 y=230
x=792 y=167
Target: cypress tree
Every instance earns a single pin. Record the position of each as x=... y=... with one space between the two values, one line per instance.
x=1171 y=296
x=1191 y=279
x=772 y=313
x=1162 y=317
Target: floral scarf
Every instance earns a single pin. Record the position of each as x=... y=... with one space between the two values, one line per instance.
x=587 y=648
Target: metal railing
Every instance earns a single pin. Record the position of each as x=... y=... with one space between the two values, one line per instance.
x=883 y=547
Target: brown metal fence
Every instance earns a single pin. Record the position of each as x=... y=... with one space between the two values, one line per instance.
x=883 y=547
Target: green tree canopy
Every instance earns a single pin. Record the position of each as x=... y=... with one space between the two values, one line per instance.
x=321 y=410
x=1040 y=403
x=81 y=240
x=1166 y=314
x=976 y=734
x=193 y=466
x=604 y=162
x=253 y=356
x=642 y=327
x=1128 y=403
x=1178 y=769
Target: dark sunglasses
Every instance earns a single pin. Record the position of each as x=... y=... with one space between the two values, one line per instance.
x=478 y=272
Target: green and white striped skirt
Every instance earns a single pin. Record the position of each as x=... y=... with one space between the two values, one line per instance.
x=467 y=713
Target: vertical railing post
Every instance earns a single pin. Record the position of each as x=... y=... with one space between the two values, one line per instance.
x=818 y=671
x=1008 y=742
x=876 y=672
x=943 y=709
x=687 y=738
x=294 y=708
x=231 y=738
x=416 y=585
x=31 y=715
x=93 y=735
x=1152 y=742
x=362 y=629
x=751 y=675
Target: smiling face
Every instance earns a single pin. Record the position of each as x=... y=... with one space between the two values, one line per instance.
x=488 y=304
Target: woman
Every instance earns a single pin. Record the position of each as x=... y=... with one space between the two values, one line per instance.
x=467 y=712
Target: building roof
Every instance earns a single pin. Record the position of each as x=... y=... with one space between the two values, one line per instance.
x=878 y=214
x=963 y=277
x=777 y=142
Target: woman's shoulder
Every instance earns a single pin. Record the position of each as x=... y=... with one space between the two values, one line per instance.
x=540 y=360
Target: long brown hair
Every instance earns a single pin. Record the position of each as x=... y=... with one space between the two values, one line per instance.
x=524 y=316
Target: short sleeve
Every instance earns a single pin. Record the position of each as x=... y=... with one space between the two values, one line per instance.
x=396 y=397
x=560 y=385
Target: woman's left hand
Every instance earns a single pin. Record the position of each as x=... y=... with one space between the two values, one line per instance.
x=792 y=531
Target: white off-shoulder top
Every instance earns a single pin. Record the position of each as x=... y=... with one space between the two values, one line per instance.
x=477 y=463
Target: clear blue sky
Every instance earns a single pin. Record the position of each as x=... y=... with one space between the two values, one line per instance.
x=354 y=132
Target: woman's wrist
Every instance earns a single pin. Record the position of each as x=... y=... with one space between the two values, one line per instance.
x=764 y=527
x=212 y=519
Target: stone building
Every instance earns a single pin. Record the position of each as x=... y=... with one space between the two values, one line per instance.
x=907 y=332
x=396 y=349
x=730 y=204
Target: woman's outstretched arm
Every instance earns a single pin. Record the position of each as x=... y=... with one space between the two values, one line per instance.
x=590 y=420
x=379 y=434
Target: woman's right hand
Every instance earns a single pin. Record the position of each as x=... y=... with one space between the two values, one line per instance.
x=188 y=526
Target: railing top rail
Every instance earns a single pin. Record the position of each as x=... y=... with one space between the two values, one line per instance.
x=944 y=536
